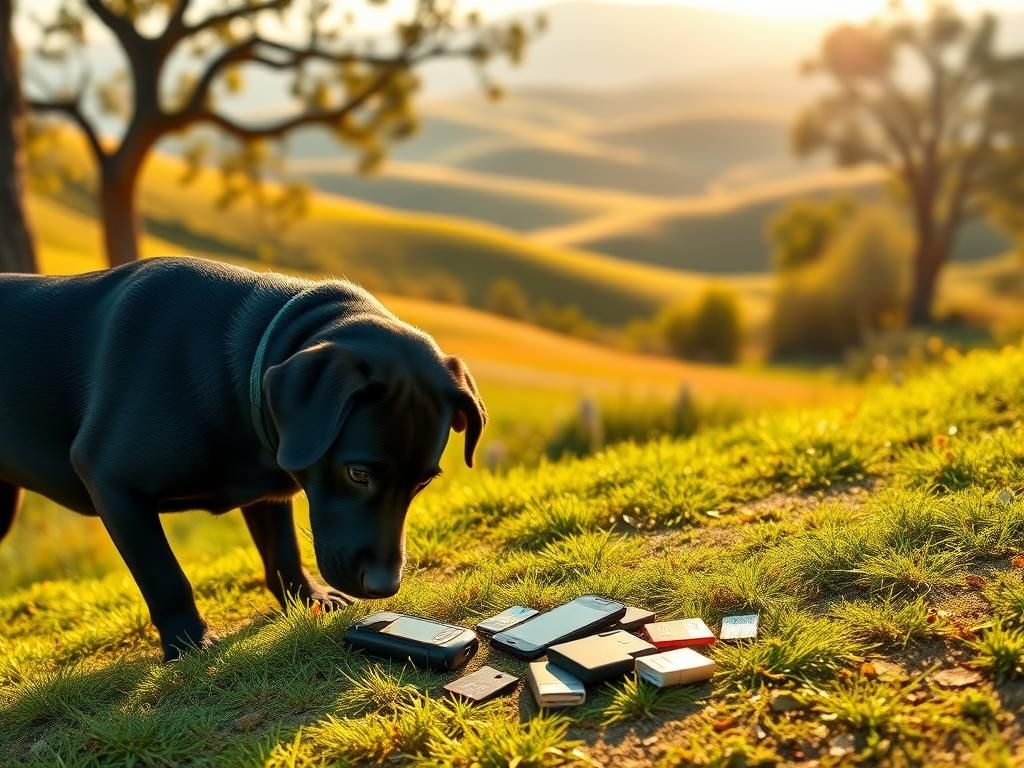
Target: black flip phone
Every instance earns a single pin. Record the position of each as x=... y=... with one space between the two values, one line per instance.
x=421 y=641
x=583 y=616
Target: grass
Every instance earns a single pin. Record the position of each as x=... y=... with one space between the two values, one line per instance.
x=851 y=557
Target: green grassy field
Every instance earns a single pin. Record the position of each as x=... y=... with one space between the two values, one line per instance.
x=881 y=543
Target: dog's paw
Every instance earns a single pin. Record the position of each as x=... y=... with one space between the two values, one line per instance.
x=178 y=637
x=328 y=598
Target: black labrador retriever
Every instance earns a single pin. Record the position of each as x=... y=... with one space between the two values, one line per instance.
x=177 y=383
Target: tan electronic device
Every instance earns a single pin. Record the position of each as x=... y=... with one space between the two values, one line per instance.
x=554 y=687
x=677 y=667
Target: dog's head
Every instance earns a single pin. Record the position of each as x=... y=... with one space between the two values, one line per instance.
x=362 y=418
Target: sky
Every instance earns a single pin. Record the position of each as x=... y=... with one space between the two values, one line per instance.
x=828 y=9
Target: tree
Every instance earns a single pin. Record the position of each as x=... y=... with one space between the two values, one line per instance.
x=183 y=57
x=803 y=229
x=16 y=249
x=932 y=100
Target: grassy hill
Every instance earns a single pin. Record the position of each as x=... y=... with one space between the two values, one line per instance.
x=881 y=545
x=725 y=233
x=386 y=250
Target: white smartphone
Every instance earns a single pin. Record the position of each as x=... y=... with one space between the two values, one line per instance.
x=584 y=615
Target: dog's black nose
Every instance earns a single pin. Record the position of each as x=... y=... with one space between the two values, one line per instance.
x=379 y=581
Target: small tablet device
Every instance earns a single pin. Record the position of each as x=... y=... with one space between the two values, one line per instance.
x=634 y=619
x=554 y=687
x=483 y=685
x=600 y=657
x=679 y=634
x=583 y=616
x=739 y=627
x=678 y=667
x=505 y=620
x=421 y=641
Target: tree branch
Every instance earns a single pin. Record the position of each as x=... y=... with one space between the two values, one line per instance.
x=124 y=30
x=249 y=10
x=248 y=52
x=71 y=108
x=281 y=127
x=175 y=25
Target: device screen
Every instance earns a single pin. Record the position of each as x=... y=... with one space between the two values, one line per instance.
x=551 y=626
x=420 y=630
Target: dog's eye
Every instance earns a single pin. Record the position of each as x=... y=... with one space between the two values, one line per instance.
x=360 y=476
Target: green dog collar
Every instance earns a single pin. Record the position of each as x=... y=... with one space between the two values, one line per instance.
x=256 y=372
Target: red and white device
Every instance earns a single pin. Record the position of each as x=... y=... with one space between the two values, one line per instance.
x=683 y=633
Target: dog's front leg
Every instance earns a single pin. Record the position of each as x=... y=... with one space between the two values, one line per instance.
x=135 y=528
x=272 y=526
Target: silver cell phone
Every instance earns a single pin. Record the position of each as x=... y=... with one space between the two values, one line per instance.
x=554 y=687
x=583 y=616
x=505 y=620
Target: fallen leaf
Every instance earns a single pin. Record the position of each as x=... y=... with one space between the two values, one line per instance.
x=782 y=701
x=250 y=721
x=1005 y=497
x=316 y=609
x=916 y=697
x=1017 y=561
x=957 y=677
x=867 y=669
x=975 y=581
x=888 y=671
x=724 y=724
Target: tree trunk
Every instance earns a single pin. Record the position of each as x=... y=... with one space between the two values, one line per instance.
x=17 y=253
x=929 y=259
x=118 y=214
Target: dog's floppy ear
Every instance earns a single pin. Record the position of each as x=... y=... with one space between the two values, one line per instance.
x=310 y=395
x=470 y=413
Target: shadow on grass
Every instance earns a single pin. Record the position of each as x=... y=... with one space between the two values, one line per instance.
x=235 y=703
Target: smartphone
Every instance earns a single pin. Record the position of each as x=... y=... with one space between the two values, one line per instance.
x=634 y=619
x=554 y=687
x=678 y=667
x=421 y=641
x=604 y=656
x=505 y=620
x=483 y=685
x=583 y=616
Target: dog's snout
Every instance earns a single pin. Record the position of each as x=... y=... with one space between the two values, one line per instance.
x=380 y=581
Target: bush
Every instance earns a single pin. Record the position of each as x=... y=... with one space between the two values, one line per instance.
x=803 y=230
x=506 y=297
x=708 y=330
x=860 y=285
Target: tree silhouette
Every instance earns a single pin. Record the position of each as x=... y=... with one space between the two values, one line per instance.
x=933 y=100
x=16 y=248
x=184 y=56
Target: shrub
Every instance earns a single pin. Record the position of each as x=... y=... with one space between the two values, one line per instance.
x=506 y=297
x=860 y=285
x=710 y=329
x=803 y=230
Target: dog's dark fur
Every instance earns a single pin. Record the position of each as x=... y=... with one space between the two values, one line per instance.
x=125 y=394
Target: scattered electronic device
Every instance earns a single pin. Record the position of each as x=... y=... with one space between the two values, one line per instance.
x=634 y=619
x=739 y=627
x=677 y=667
x=554 y=687
x=483 y=685
x=421 y=641
x=600 y=657
x=682 y=633
x=505 y=620
x=584 y=615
